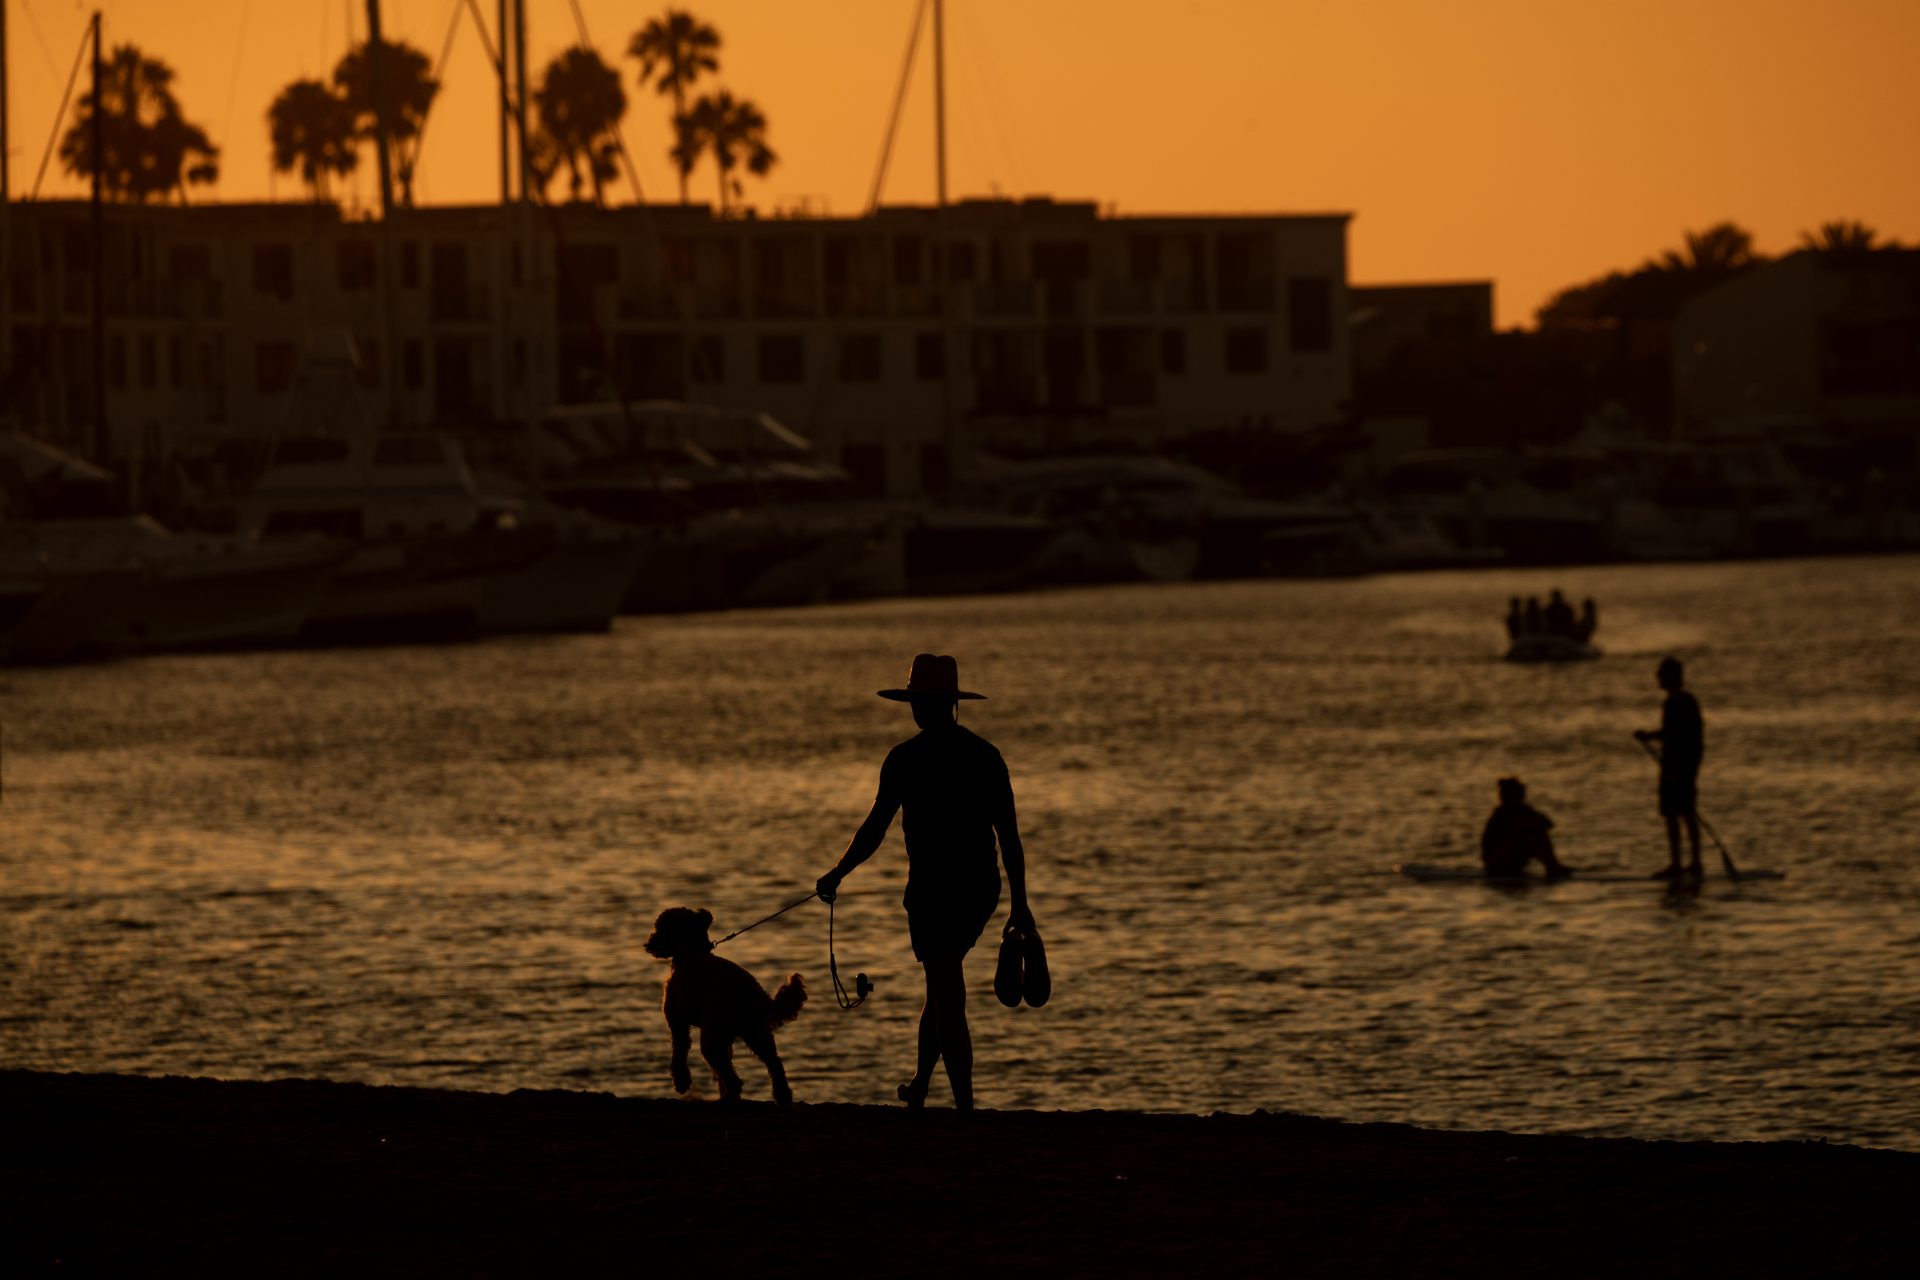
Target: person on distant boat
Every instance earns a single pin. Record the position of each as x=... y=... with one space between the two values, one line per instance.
x=1559 y=615
x=956 y=796
x=1589 y=621
x=1516 y=619
x=1533 y=625
x=1517 y=834
x=1682 y=736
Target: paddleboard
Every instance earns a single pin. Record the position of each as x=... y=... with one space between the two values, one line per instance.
x=1426 y=872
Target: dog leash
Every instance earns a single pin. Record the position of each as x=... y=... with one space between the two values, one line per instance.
x=862 y=988
x=782 y=911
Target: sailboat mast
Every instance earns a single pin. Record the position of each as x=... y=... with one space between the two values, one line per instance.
x=506 y=106
x=390 y=344
x=940 y=99
x=96 y=220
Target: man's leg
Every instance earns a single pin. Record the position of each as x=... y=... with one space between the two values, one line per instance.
x=1673 y=845
x=914 y=1091
x=1693 y=842
x=947 y=1002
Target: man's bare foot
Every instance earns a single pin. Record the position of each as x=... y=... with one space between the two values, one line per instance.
x=913 y=1093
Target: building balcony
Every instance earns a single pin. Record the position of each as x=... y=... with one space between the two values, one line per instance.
x=1246 y=295
x=1004 y=298
x=784 y=303
x=856 y=299
x=1127 y=297
x=1133 y=390
x=472 y=304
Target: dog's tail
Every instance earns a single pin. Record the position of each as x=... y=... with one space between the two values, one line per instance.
x=787 y=1001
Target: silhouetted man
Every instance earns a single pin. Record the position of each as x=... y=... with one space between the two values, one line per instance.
x=1516 y=620
x=1589 y=621
x=1532 y=619
x=954 y=791
x=1516 y=834
x=1559 y=615
x=1682 y=736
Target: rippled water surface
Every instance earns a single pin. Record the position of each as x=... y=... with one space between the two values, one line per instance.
x=435 y=866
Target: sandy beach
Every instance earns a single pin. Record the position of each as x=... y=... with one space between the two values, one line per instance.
x=130 y=1175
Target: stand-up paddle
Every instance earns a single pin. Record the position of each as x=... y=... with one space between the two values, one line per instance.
x=1726 y=859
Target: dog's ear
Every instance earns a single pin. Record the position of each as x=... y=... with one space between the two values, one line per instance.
x=704 y=916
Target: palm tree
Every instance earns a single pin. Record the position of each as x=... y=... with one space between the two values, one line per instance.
x=148 y=149
x=674 y=51
x=734 y=130
x=1845 y=236
x=579 y=105
x=410 y=91
x=312 y=127
x=1719 y=250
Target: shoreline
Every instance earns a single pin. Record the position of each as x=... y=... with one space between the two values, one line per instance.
x=175 y=1175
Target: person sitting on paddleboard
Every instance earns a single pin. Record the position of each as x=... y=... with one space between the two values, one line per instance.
x=952 y=786
x=1516 y=834
x=1682 y=736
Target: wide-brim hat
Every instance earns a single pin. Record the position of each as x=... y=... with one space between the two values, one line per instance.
x=932 y=677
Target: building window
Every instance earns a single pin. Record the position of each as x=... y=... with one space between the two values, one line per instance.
x=173 y=362
x=709 y=358
x=907 y=253
x=860 y=357
x=117 y=362
x=929 y=356
x=189 y=262
x=1173 y=351
x=273 y=270
x=1310 y=313
x=147 y=355
x=410 y=264
x=273 y=367
x=783 y=357
x=1246 y=350
x=414 y=357
x=960 y=263
x=353 y=261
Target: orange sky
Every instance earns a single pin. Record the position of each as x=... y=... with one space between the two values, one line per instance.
x=1533 y=142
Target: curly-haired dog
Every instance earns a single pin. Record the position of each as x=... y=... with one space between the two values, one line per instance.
x=721 y=999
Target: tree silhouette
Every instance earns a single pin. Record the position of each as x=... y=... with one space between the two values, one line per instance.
x=312 y=129
x=579 y=105
x=1720 y=250
x=1844 y=236
x=148 y=149
x=674 y=51
x=410 y=91
x=734 y=130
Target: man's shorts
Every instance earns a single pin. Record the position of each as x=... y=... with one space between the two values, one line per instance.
x=1679 y=794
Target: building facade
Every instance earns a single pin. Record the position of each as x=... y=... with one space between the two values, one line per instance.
x=897 y=341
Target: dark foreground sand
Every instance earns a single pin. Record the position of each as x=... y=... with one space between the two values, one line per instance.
x=131 y=1176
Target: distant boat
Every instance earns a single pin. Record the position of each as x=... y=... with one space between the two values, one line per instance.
x=1551 y=649
x=432 y=558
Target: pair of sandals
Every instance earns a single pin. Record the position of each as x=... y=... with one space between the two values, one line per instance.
x=1022 y=973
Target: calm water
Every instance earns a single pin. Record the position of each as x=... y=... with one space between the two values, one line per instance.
x=434 y=866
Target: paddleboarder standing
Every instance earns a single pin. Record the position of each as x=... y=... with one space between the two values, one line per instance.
x=1682 y=736
x=953 y=788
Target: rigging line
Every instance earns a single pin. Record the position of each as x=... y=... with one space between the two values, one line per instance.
x=40 y=38
x=233 y=81
x=86 y=35
x=410 y=161
x=987 y=76
x=619 y=134
x=899 y=100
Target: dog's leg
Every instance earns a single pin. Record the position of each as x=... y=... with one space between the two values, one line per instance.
x=682 y=1035
x=716 y=1046
x=760 y=1040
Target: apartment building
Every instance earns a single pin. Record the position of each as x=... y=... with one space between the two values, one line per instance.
x=897 y=341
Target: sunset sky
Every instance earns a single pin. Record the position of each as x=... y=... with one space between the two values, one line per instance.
x=1532 y=142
